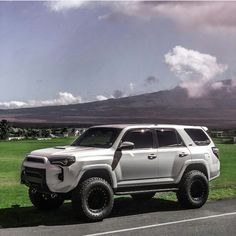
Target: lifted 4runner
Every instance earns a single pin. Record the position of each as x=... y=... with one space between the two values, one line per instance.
x=109 y=160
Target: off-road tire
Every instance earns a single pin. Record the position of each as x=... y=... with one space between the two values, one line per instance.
x=143 y=196
x=45 y=201
x=93 y=199
x=193 y=190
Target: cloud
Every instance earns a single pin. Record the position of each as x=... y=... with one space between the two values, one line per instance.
x=64 y=98
x=198 y=14
x=217 y=85
x=195 y=70
x=201 y=14
x=63 y=5
x=150 y=80
x=117 y=93
x=101 y=98
x=107 y=16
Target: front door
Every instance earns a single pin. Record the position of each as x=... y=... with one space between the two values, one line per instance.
x=140 y=162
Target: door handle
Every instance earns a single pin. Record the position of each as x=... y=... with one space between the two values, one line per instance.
x=152 y=156
x=183 y=154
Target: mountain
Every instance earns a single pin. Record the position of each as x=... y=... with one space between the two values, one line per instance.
x=216 y=109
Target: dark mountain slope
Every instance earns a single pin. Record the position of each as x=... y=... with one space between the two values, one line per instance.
x=216 y=109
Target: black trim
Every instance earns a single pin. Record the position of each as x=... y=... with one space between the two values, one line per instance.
x=35 y=178
x=35 y=159
x=148 y=188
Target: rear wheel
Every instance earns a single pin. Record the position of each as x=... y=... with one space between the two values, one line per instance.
x=194 y=189
x=44 y=201
x=93 y=199
x=143 y=196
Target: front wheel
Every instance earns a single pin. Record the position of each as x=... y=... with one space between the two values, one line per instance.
x=44 y=201
x=93 y=199
x=194 y=189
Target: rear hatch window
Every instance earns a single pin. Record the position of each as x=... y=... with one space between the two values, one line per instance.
x=198 y=136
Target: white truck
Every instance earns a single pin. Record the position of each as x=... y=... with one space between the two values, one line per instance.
x=109 y=160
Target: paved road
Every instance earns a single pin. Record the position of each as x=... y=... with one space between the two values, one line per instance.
x=215 y=218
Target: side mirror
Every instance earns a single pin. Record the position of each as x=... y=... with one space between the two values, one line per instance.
x=126 y=146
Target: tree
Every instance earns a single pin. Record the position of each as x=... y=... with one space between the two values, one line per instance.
x=4 y=129
x=46 y=133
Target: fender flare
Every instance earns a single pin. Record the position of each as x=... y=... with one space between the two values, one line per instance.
x=97 y=167
x=197 y=164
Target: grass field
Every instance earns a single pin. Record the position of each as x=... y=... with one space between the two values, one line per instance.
x=11 y=156
x=12 y=194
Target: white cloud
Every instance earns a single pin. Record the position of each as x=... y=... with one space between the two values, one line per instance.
x=101 y=98
x=217 y=85
x=201 y=14
x=12 y=104
x=62 y=5
x=64 y=98
x=198 y=14
x=195 y=70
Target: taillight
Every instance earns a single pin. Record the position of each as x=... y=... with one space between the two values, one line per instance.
x=215 y=150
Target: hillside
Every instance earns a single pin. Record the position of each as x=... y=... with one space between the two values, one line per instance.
x=216 y=109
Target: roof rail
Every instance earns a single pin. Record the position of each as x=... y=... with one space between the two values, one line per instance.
x=204 y=128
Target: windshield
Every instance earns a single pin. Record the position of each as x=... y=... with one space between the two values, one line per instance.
x=98 y=137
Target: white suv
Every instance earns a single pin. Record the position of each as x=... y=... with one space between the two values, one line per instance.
x=108 y=160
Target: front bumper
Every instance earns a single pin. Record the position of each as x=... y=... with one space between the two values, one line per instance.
x=40 y=174
x=34 y=178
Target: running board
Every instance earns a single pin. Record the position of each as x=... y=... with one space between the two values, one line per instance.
x=146 y=188
x=118 y=192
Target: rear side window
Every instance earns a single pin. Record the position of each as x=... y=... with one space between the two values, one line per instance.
x=141 y=138
x=168 y=138
x=198 y=136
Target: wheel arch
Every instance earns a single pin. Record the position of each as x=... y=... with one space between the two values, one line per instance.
x=197 y=166
x=102 y=171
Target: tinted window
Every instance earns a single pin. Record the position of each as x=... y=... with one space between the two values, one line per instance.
x=141 y=138
x=98 y=137
x=198 y=136
x=168 y=138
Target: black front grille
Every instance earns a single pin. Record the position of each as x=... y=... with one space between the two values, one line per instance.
x=35 y=178
x=35 y=159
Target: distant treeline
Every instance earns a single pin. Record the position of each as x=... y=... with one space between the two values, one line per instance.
x=53 y=130
x=9 y=131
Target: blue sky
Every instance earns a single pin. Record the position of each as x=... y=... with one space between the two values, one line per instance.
x=60 y=53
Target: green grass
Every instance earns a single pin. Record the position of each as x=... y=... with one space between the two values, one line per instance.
x=13 y=152
x=11 y=155
x=16 y=209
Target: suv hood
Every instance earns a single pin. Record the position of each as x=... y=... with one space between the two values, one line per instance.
x=71 y=151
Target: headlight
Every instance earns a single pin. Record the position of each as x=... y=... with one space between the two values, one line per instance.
x=62 y=161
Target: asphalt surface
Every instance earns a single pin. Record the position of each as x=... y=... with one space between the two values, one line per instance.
x=214 y=218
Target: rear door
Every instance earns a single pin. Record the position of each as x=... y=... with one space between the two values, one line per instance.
x=171 y=153
x=140 y=162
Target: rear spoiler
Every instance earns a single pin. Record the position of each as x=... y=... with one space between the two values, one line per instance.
x=205 y=128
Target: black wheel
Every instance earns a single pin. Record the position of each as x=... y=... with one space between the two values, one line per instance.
x=93 y=199
x=44 y=201
x=143 y=196
x=193 y=191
